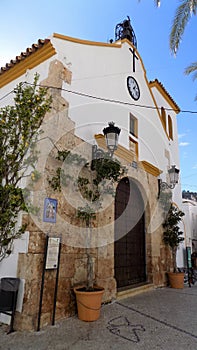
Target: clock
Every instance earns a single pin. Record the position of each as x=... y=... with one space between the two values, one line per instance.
x=133 y=88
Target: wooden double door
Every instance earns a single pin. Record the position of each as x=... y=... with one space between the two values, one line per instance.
x=129 y=245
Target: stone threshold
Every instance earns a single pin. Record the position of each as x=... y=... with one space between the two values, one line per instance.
x=134 y=291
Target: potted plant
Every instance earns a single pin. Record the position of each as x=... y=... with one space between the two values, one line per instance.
x=93 y=189
x=88 y=296
x=95 y=181
x=172 y=237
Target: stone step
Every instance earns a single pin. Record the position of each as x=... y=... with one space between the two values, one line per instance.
x=134 y=291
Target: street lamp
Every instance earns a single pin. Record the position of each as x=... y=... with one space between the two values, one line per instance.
x=174 y=178
x=111 y=134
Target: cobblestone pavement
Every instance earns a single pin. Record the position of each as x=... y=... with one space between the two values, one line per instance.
x=162 y=319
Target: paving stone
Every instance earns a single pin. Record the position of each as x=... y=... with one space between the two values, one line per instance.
x=161 y=319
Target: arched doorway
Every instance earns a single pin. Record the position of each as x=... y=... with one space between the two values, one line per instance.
x=129 y=245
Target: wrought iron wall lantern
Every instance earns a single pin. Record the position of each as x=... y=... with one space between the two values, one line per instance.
x=111 y=134
x=173 y=177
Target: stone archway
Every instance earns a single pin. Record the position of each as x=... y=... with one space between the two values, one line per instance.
x=129 y=246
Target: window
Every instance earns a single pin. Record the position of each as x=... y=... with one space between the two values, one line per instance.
x=163 y=117
x=133 y=147
x=133 y=127
x=170 y=128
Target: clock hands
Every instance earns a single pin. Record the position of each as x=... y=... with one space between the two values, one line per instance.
x=133 y=88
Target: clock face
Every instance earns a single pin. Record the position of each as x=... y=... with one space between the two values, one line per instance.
x=133 y=88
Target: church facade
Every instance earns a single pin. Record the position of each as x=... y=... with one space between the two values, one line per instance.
x=93 y=84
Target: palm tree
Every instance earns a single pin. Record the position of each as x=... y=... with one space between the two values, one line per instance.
x=157 y=2
x=192 y=69
x=182 y=16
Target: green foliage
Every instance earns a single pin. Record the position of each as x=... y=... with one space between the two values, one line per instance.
x=172 y=235
x=157 y=2
x=95 y=180
x=19 y=129
x=86 y=214
x=35 y=175
x=189 y=195
x=59 y=179
x=94 y=185
x=89 y=191
x=71 y=158
x=107 y=168
x=183 y=13
x=192 y=69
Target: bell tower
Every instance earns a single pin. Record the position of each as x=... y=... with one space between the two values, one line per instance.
x=124 y=30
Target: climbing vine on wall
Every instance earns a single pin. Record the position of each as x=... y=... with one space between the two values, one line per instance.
x=95 y=180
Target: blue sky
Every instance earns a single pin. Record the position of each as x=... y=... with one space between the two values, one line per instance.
x=23 y=22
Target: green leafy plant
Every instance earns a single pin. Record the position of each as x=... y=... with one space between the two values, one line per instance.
x=86 y=214
x=172 y=235
x=19 y=130
x=96 y=180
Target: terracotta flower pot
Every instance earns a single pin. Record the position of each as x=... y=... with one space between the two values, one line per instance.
x=176 y=279
x=89 y=303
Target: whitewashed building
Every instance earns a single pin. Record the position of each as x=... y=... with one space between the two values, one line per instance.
x=92 y=84
x=190 y=223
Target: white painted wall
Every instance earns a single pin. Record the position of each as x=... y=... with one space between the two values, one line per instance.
x=190 y=220
x=189 y=227
x=101 y=71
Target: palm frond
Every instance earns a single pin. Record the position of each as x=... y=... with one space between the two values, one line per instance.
x=190 y=69
x=182 y=16
x=157 y=3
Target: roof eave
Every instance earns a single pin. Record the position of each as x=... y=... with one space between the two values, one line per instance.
x=165 y=94
x=29 y=59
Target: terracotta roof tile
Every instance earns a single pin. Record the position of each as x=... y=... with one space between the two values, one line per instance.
x=23 y=55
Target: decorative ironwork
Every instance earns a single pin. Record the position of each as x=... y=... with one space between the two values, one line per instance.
x=165 y=186
x=173 y=173
x=97 y=152
x=124 y=30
